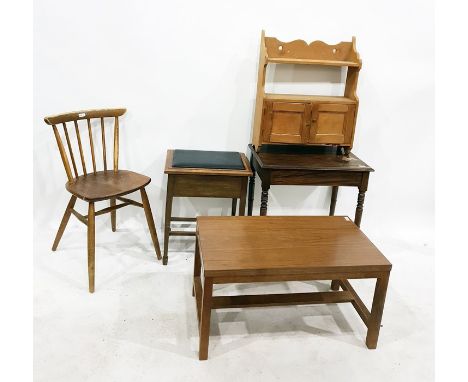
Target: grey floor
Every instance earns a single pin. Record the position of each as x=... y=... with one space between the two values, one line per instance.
x=140 y=324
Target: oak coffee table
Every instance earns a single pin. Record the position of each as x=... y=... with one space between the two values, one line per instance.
x=285 y=248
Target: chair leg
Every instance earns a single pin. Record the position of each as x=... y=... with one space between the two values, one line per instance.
x=113 y=216
x=150 y=220
x=91 y=246
x=64 y=222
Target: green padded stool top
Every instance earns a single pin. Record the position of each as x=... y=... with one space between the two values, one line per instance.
x=224 y=160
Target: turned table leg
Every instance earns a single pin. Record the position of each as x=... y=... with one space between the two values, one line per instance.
x=251 y=193
x=376 y=313
x=359 y=208
x=264 y=200
x=360 y=200
x=334 y=196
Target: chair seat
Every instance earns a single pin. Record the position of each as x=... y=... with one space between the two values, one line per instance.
x=106 y=184
x=224 y=160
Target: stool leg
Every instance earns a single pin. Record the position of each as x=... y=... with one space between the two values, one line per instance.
x=205 y=319
x=376 y=313
x=150 y=220
x=243 y=198
x=168 y=217
x=91 y=247
x=234 y=207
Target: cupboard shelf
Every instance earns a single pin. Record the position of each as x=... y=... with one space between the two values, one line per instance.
x=301 y=61
x=307 y=98
x=306 y=119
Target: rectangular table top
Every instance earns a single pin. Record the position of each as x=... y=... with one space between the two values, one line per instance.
x=308 y=158
x=281 y=245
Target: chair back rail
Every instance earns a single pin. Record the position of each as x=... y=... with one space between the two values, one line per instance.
x=75 y=117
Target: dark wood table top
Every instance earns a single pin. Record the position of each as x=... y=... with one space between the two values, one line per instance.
x=308 y=158
x=281 y=245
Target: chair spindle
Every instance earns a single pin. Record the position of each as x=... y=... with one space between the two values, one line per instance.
x=92 y=145
x=116 y=144
x=78 y=137
x=70 y=150
x=63 y=154
x=103 y=144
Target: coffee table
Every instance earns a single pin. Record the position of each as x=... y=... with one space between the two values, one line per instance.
x=286 y=248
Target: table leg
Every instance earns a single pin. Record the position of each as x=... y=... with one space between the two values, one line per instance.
x=376 y=313
x=360 y=200
x=234 y=207
x=205 y=318
x=334 y=196
x=251 y=194
x=359 y=208
x=168 y=216
x=264 y=200
x=335 y=285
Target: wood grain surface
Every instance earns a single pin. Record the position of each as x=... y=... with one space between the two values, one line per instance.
x=283 y=244
x=106 y=184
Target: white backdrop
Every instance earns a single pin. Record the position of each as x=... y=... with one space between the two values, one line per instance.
x=186 y=71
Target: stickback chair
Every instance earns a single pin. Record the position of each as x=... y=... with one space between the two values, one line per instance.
x=94 y=186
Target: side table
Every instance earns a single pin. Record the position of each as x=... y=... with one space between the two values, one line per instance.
x=308 y=166
x=203 y=182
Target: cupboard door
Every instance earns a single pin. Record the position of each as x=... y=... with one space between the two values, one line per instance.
x=332 y=123
x=286 y=122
